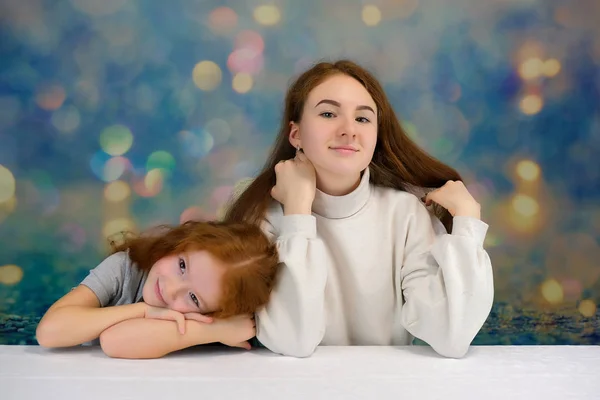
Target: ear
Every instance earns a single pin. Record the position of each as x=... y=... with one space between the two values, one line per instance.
x=294 y=136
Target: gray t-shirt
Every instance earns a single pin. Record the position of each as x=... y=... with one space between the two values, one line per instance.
x=116 y=281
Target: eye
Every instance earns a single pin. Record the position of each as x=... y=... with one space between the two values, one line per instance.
x=327 y=114
x=363 y=120
x=182 y=265
x=195 y=299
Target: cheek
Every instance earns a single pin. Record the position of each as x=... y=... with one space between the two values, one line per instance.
x=314 y=137
x=370 y=138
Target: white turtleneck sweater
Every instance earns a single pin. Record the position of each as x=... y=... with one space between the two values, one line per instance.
x=374 y=267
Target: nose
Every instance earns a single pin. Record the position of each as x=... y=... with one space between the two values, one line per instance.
x=347 y=127
x=175 y=294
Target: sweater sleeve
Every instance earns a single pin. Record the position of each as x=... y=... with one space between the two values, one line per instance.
x=293 y=322
x=446 y=282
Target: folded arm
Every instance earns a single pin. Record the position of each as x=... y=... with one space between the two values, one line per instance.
x=447 y=283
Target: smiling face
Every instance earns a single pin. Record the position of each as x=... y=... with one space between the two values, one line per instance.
x=337 y=131
x=188 y=282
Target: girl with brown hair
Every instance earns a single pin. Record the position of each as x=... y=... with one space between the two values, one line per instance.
x=363 y=261
x=196 y=283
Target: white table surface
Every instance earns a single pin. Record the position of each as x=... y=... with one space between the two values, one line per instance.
x=416 y=372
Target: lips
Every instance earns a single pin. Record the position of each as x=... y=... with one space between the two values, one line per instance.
x=345 y=148
x=158 y=293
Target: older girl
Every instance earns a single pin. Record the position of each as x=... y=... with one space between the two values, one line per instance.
x=364 y=261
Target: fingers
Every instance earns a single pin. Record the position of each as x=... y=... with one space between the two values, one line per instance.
x=199 y=317
x=244 y=345
x=180 y=319
x=300 y=156
x=431 y=197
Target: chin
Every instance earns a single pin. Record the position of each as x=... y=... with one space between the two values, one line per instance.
x=344 y=171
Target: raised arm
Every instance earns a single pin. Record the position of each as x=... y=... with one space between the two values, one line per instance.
x=293 y=322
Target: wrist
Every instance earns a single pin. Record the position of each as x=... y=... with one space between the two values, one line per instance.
x=140 y=309
x=469 y=210
x=292 y=208
x=201 y=333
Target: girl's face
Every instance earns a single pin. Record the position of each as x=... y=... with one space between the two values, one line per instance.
x=187 y=282
x=338 y=130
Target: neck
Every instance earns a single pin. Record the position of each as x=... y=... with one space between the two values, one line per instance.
x=340 y=206
x=337 y=185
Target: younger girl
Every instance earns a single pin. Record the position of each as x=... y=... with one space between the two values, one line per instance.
x=364 y=263
x=208 y=277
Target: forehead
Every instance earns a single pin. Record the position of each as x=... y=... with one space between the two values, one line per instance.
x=203 y=259
x=206 y=273
x=341 y=88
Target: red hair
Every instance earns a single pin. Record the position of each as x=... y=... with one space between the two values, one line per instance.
x=252 y=260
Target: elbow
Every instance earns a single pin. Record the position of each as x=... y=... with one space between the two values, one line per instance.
x=111 y=346
x=301 y=350
x=116 y=345
x=108 y=345
x=453 y=349
x=46 y=335
x=297 y=350
x=297 y=347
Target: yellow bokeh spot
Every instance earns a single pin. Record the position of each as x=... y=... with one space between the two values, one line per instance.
x=551 y=67
x=154 y=181
x=10 y=274
x=116 y=140
x=117 y=191
x=531 y=104
x=242 y=83
x=531 y=68
x=7 y=184
x=9 y=205
x=267 y=15
x=118 y=225
x=525 y=205
x=528 y=170
x=587 y=308
x=371 y=15
x=552 y=291
x=207 y=75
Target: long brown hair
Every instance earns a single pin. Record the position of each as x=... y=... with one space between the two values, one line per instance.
x=397 y=162
x=251 y=259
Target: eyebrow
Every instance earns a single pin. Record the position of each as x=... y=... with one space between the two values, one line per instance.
x=337 y=104
x=202 y=303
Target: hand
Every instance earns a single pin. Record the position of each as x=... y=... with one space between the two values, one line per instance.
x=296 y=184
x=455 y=198
x=167 y=315
x=235 y=331
x=196 y=316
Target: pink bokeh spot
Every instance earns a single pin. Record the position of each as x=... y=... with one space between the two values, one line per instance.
x=249 y=40
x=245 y=61
x=221 y=195
x=195 y=213
x=223 y=19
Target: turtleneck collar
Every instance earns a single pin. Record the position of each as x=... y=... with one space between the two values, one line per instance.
x=338 y=207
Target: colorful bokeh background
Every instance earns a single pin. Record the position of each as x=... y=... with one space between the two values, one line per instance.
x=123 y=114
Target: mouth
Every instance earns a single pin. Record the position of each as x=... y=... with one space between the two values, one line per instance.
x=158 y=293
x=344 y=150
